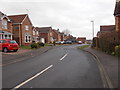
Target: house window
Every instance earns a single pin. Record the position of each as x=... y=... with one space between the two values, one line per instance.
x=33 y=32
x=9 y=36
x=37 y=33
x=26 y=27
x=5 y=36
x=16 y=27
x=4 y=24
x=50 y=34
x=27 y=37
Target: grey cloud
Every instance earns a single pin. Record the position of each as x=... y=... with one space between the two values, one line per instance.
x=74 y=15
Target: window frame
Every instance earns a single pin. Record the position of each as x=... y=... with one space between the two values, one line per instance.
x=27 y=38
x=4 y=24
x=26 y=27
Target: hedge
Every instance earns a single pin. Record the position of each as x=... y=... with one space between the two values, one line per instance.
x=108 y=42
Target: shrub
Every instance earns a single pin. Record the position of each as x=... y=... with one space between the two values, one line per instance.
x=41 y=44
x=34 y=45
x=117 y=50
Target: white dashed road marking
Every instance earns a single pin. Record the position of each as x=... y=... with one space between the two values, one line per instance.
x=64 y=56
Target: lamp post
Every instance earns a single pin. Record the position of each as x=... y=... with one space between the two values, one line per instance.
x=92 y=27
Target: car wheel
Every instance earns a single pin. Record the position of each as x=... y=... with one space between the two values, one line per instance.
x=5 y=50
x=15 y=50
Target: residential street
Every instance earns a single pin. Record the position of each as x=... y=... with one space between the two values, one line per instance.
x=66 y=44
x=61 y=67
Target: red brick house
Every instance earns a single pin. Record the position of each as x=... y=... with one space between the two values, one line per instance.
x=109 y=35
x=22 y=29
x=56 y=35
x=104 y=29
x=46 y=33
x=62 y=36
x=67 y=36
x=5 y=27
x=117 y=15
x=117 y=18
x=83 y=39
x=36 y=35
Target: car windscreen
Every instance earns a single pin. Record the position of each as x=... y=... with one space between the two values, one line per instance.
x=12 y=41
x=2 y=41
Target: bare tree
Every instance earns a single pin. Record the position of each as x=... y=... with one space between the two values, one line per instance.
x=66 y=31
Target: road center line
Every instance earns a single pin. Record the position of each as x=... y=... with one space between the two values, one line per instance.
x=64 y=56
x=18 y=86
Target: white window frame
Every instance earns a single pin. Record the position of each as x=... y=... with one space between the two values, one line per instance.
x=4 y=24
x=33 y=32
x=27 y=40
x=26 y=27
x=50 y=33
x=37 y=33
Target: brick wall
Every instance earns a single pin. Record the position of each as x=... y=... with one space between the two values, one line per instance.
x=82 y=39
x=24 y=31
x=45 y=36
x=0 y=24
x=16 y=33
x=62 y=37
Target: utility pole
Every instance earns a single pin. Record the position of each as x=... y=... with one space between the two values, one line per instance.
x=92 y=28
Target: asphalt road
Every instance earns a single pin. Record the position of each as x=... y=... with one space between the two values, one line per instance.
x=61 y=67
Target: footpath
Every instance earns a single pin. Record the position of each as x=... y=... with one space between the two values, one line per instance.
x=110 y=64
x=22 y=54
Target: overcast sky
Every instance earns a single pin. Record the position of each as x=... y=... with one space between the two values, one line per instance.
x=75 y=15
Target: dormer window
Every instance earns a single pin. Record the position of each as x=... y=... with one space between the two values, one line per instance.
x=4 y=24
x=26 y=27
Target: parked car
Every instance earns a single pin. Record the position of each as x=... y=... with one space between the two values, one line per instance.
x=67 y=42
x=8 y=45
x=79 y=42
x=62 y=42
x=58 y=42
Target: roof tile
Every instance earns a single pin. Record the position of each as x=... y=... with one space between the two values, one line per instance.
x=17 y=18
x=43 y=29
x=107 y=28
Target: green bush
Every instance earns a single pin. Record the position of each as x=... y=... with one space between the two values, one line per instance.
x=117 y=50
x=34 y=45
x=41 y=44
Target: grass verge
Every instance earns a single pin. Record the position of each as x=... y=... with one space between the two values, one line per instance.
x=25 y=47
x=48 y=44
x=84 y=46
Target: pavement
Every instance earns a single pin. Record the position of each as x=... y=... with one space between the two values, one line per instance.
x=61 y=67
x=109 y=63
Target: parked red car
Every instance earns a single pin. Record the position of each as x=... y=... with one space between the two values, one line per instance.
x=8 y=45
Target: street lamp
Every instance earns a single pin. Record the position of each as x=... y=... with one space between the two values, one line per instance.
x=93 y=27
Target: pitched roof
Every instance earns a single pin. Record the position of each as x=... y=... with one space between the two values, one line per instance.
x=117 y=8
x=55 y=31
x=81 y=38
x=17 y=18
x=2 y=15
x=61 y=33
x=107 y=28
x=43 y=29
